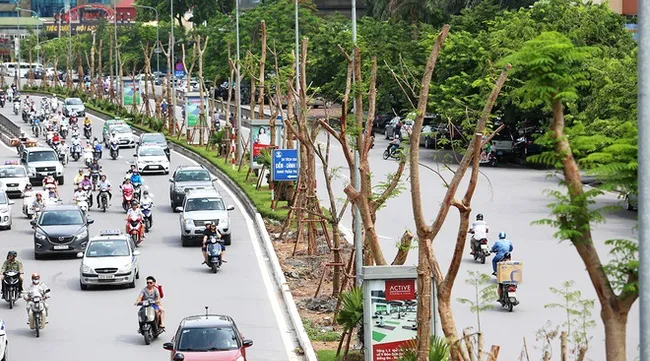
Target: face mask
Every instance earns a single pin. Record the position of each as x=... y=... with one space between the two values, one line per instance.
x=36 y=282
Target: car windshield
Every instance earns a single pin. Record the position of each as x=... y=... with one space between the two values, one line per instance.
x=3 y=198
x=113 y=248
x=42 y=156
x=151 y=152
x=74 y=101
x=61 y=218
x=153 y=138
x=204 y=204
x=207 y=339
x=193 y=175
x=13 y=172
x=122 y=129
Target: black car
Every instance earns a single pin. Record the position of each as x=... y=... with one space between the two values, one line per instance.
x=155 y=139
x=186 y=178
x=60 y=229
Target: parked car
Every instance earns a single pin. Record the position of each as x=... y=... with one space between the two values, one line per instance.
x=202 y=206
x=60 y=229
x=109 y=259
x=151 y=158
x=428 y=137
x=525 y=146
x=208 y=337
x=73 y=104
x=184 y=179
x=5 y=211
x=381 y=120
x=631 y=201
x=503 y=142
x=14 y=178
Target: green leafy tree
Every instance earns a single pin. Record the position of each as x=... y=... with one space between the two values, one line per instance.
x=438 y=350
x=552 y=70
x=484 y=294
x=578 y=314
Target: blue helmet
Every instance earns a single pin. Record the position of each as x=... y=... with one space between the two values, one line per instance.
x=502 y=235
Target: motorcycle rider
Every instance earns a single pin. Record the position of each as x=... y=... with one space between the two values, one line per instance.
x=11 y=264
x=86 y=183
x=211 y=231
x=147 y=199
x=87 y=121
x=501 y=247
x=479 y=231
x=62 y=148
x=114 y=139
x=79 y=177
x=394 y=145
x=50 y=180
x=104 y=185
x=36 y=287
x=22 y=141
x=135 y=212
x=56 y=138
x=80 y=194
x=38 y=201
x=151 y=294
x=54 y=102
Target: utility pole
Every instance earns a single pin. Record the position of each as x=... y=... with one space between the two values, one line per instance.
x=240 y=148
x=173 y=111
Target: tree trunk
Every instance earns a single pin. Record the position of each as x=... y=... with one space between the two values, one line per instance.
x=403 y=248
x=262 y=75
x=100 y=70
x=111 y=66
x=424 y=304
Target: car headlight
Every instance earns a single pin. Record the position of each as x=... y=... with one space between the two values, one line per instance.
x=86 y=269
x=31 y=171
x=83 y=234
x=178 y=189
x=223 y=222
x=40 y=235
x=4 y=210
x=240 y=358
x=124 y=269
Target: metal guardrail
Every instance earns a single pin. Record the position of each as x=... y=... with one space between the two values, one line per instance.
x=9 y=127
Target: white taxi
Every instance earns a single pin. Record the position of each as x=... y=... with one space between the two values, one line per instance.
x=109 y=259
x=151 y=158
x=13 y=178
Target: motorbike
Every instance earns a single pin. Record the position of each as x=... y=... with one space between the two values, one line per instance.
x=489 y=159
x=393 y=153
x=25 y=115
x=133 y=227
x=12 y=285
x=3 y=100
x=127 y=198
x=89 y=191
x=63 y=157
x=82 y=203
x=214 y=254
x=16 y=108
x=36 y=128
x=147 y=213
x=88 y=156
x=103 y=200
x=115 y=150
x=88 y=131
x=64 y=130
x=481 y=249
x=137 y=191
x=37 y=319
x=149 y=323
x=508 y=291
x=76 y=152
x=97 y=153
x=94 y=176
x=72 y=120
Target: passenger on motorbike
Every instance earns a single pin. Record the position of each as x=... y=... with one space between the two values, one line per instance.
x=135 y=177
x=151 y=294
x=501 y=247
x=56 y=138
x=49 y=180
x=147 y=199
x=393 y=145
x=11 y=264
x=22 y=141
x=79 y=177
x=479 y=231
x=86 y=183
x=80 y=194
x=38 y=202
x=36 y=287
x=135 y=212
x=104 y=185
x=211 y=231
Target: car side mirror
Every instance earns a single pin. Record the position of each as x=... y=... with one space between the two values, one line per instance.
x=11 y=203
x=230 y=208
x=178 y=209
x=171 y=180
x=168 y=346
x=136 y=253
x=179 y=357
x=80 y=255
x=32 y=222
x=248 y=343
x=135 y=155
x=90 y=221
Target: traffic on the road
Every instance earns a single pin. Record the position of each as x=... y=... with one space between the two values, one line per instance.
x=97 y=247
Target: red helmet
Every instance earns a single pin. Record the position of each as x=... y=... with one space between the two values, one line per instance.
x=36 y=276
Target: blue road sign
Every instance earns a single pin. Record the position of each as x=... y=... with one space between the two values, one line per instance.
x=285 y=165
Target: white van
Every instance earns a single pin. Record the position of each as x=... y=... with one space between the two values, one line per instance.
x=9 y=69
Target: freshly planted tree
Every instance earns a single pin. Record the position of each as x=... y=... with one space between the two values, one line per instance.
x=484 y=293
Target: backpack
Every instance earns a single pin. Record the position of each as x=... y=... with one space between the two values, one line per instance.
x=160 y=290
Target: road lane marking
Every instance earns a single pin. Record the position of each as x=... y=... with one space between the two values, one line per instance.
x=266 y=277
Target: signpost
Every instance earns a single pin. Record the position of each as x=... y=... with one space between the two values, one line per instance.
x=284 y=165
x=179 y=70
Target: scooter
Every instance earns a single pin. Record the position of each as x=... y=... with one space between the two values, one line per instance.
x=481 y=249
x=134 y=225
x=88 y=131
x=37 y=314
x=147 y=213
x=115 y=150
x=88 y=156
x=12 y=284
x=508 y=291
x=89 y=194
x=149 y=323
x=63 y=131
x=16 y=107
x=103 y=200
x=214 y=254
x=36 y=128
x=76 y=152
x=489 y=159
x=63 y=158
x=392 y=152
x=82 y=203
x=127 y=198
x=3 y=100
x=137 y=191
x=94 y=177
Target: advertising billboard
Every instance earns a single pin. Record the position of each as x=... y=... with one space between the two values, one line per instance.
x=130 y=93
x=193 y=110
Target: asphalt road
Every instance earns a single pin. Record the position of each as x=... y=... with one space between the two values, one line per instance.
x=102 y=324
x=510 y=198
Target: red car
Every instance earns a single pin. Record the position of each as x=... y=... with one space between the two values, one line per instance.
x=208 y=337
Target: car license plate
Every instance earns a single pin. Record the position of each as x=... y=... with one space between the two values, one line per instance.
x=106 y=277
x=484 y=247
x=155 y=167
x=512 y=294
x=61 y=247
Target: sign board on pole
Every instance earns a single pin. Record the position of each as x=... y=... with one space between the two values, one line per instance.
x=390 y=298
x=193 y=110
x=179 y=70
x=130 y=92
x=5 y=46
x=259 y=139
x=285 y=165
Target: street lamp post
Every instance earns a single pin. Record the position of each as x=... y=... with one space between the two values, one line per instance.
x=173 y=63
x=17 y=45
x=240 y=148
x=157 y=36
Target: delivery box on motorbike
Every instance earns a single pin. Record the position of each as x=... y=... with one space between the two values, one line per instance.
x=510 y=272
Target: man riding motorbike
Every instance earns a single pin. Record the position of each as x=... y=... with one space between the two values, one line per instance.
x=393 y=145
x=135 y=212
x=22 y=142
x=501 y=247
x=62 y=149
x=11 y=264
x=151 y=294
x=147 y=200
x=211 y=231
x=80 y=195
x=87 y=121
x=78 y=178
x=38 y=202
x=479 y=231
x=38 y=288
x=104 y=185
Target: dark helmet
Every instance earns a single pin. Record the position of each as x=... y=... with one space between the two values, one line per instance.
x=12 y=254
x=479 y=217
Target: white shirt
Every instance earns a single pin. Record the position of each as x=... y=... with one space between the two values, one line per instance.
x=480 y=229
x=30 y=290
x=80 y=195
x=103 y=185
x=136 y=213
x=146 y=200
x=114 y=139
